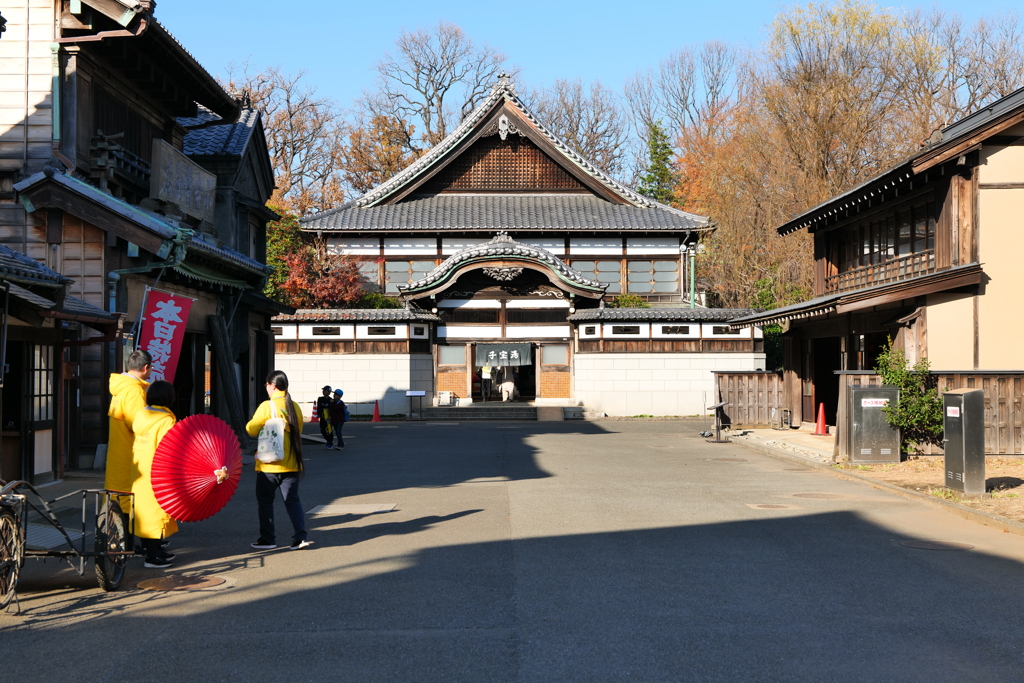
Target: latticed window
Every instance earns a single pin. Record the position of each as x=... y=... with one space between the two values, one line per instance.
x=493 y=164
x=652 y=277
x=606 y=272
x=41 y=377
x=403 y=272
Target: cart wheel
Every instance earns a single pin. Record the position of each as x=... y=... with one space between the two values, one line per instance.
x=110 y=538
x=11 y=552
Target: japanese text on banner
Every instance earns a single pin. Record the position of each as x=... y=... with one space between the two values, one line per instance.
x=163 y=331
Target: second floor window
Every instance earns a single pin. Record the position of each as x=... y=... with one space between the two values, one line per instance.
x=908 y=231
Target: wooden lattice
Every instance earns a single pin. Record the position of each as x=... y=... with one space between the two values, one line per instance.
x=495 y=165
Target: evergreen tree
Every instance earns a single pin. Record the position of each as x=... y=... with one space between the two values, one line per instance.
x=659 y=181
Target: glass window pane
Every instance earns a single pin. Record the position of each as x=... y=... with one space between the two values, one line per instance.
x=637 y=266
x=639 y=287
x=666 y=265
x=614 y=288
x=606 y=266
x=556 y=354
x=665 y=277
x=665 y=287
x=609 y=277
x=423 y=266
x=583 y=266
x=452 y=355
x=395 y=266
x=640 y=277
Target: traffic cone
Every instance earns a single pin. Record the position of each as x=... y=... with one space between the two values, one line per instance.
x=315 y=417
x=376 y=412
x=821 y=429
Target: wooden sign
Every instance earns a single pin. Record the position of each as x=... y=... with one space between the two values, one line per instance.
x=176 y=178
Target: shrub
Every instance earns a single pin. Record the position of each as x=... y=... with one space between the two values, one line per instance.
x=918 y=413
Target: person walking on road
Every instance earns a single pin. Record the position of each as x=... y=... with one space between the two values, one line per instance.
x=128 y=397
x=338 y=416
x=283 y=474
x=323 y=416
x=152 y=524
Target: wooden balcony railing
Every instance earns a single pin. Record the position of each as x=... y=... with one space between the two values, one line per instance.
x=901 y=268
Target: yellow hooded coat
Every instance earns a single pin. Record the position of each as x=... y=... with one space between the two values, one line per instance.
x=151 y=424
x=128 y=397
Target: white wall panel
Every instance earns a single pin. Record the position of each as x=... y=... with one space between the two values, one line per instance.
x=354 y=246
x=401 y=331
x=450 y=245
x=469 y=332
x=344 y=332
x=595 y=245
x=410 y=246
x=538 y=331
x=469 y=303
x=639 y=246
x=537 y=303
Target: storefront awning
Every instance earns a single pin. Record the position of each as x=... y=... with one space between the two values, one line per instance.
x=511 y=354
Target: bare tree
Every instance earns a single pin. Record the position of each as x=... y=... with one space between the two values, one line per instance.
x=304 y=134
x=592 y=123
x=433 y=79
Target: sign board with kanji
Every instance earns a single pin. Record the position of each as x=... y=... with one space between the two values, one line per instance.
x=510 y=354
x=165 y=316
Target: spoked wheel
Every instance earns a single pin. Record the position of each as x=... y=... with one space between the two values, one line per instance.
x=11 y=552
x=110 y=538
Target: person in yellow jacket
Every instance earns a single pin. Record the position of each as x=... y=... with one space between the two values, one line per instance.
x=128 y=397
x=283 y=474
x=152 y=524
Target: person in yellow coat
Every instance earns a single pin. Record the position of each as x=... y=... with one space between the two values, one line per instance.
x=128 y=397
x=152 y=524
x=283 y=474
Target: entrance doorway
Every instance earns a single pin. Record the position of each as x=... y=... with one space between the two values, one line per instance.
x=524 y=376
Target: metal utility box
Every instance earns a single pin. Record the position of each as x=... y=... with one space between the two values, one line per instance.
x=963 y=421
x=872 y=438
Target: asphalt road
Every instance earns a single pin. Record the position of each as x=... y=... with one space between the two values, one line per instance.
x=547 y=551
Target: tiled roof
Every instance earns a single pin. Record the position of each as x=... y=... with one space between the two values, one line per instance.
x=647 y=314
x=17 y=266
x=503 y=212
x=227 y=139
x=198 y=242
x=391 y=315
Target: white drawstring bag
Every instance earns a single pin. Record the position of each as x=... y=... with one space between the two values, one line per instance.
x=271 y=439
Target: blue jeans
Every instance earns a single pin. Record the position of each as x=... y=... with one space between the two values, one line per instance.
x=267 y=484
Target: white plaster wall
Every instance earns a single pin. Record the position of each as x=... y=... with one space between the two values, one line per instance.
x=624 y=384
x=364 y=378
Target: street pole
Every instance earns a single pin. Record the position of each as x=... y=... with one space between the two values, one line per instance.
x=693 y=279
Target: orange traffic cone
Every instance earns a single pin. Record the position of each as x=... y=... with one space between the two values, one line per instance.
x=376 y=412
x=315 y=416
x=821 y=429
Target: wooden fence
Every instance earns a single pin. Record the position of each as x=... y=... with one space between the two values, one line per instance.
x=754 y=398
x=1004 y=413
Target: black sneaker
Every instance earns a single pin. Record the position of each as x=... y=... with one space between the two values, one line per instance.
x=260 y=544
x=299 y=545
x=166 y=556
x=156 y=563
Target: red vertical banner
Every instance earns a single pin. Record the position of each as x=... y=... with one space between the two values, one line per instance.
x=163 y=331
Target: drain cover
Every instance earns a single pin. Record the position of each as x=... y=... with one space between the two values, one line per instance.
x=729 y=460
x=179 y=582
x=819 y=496
x=936 y=545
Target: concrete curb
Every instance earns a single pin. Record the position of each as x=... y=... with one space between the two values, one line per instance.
x=995 y=521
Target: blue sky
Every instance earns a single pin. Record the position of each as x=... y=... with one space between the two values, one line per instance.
x=338 y=43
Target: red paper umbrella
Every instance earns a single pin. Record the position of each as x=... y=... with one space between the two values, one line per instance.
x=196 y=468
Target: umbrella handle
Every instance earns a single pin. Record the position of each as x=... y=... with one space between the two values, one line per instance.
x=221 y=474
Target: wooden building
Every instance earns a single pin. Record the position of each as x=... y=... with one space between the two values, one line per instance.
x=125 y=165
x=502 y=239
x=925 y=253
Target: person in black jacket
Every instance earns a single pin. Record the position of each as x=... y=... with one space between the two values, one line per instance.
x=323 y=416
x=338 y=416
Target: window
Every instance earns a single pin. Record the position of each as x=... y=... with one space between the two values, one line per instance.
x=41 y=377
x=606 y=272
x=652 y=277
x=325 y=331
x=675 y=329
x=723 y=329
x=403 y=272
x=369 y=274
x=555 y=354
x=590 y=329
x=909 y=230
x=278 y=331
x=625 y=329
x=451 y=355
x=419 y=331
x=534 y=315
x=380 y=331
x=477 y=316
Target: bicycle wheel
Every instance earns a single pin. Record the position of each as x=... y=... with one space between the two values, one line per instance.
x=110 y=538
x=11 y=552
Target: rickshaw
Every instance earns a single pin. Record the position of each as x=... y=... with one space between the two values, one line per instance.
x=30 y=527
